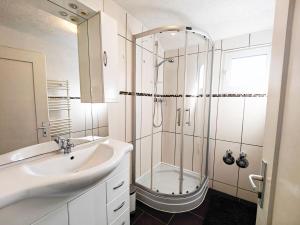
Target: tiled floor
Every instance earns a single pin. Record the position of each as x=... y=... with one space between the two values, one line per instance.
x=217 y=209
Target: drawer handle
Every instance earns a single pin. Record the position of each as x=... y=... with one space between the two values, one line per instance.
x=117 y=209
x=118 y=186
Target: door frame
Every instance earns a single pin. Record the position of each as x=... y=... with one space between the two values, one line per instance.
x=38 y=61
x=282 y=33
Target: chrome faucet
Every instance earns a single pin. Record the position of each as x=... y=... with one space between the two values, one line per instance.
x=64 y=144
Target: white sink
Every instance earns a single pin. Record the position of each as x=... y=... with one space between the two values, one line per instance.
x=71 y=163
x=58 y=173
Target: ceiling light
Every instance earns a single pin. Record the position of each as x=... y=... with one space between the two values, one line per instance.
x=73 y=6
x=73 y=19
x=173 y=33
x=62 y=13
x=83 y=13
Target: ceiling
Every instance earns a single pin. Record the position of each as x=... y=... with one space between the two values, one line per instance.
x=220 y=18
x=25 y=16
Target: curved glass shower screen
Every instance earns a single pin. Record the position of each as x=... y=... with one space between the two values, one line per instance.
x=171 y=103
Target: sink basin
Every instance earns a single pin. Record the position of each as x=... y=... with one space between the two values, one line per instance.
x=58 y=174
x=71 y=163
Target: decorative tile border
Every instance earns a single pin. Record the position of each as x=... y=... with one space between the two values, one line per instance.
x=61 y=97
x=191 y=96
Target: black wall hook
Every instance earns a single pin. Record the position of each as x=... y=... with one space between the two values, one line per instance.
x=242 y=162
x=228 y=158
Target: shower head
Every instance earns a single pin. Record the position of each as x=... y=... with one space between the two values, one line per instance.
x=170 y=60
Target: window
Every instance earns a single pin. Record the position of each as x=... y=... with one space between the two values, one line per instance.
x=246 y=71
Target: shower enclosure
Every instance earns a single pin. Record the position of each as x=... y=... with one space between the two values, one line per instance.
x=171 y=110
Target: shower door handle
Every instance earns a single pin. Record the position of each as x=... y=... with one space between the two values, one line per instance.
x=178 y=117
x=189 y=117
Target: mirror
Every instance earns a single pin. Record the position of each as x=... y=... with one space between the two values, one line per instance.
x=39 y=76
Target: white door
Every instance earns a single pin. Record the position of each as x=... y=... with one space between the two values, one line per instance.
x=23 y=99
x=281 y=151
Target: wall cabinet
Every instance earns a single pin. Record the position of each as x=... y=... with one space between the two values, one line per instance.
x=98 y=59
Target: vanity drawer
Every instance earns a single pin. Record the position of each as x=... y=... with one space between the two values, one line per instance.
x=117 y=206
x=124 y=219
x=117 y=185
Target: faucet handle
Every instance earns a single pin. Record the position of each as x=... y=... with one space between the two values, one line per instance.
x=57 y=139
x=69 y=143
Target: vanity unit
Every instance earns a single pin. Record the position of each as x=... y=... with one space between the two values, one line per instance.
x=95 y=190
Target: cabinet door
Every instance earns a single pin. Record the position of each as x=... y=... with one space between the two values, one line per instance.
x=58 y=217
x=109 y=43
x=89 y=208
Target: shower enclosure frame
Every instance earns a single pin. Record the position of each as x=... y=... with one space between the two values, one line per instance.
x=187 y=30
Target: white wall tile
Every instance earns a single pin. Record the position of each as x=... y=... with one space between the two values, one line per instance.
x=145 y=154
x=187 y=151
x=129 y=121
x=171 y=53
x=170 y=77
x=146 y=125
x=169 y=113
x=147 y=72
x=157 y=148
x=103 y=131
x=254 y=120
x=138 y=121
x=247 y=195
x=134 y=26
x=102 y=114
x=95 y=132
x=192 y=49
x=231 y=190
x=198 y=154
x=168 y=147
x=211 y=158
x=216 y=72
x=138 y=158
x=138 y=68
x=191 y=76
x=148 y=42
x=116 y=119
x=213 y=117
x=236 y=42
x=122 y=63
x=230 y=118
x=88 y=116
x=218 y=44
x=199 y=158
x=77 y=115
x=118 y=13
x=222 y=172
x=78 y=134
x=180 y=75
x=254 y=156
x=262 y=37
x=201 y=117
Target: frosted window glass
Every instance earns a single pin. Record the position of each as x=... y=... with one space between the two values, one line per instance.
x=249 y=74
